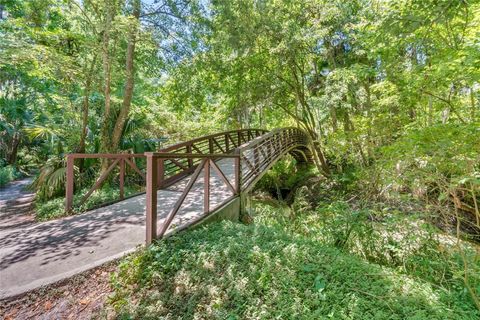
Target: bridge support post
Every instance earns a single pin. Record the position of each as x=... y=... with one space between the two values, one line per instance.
x=245 y=215
x=122 y=178
x=151 y=195
x=70 y=184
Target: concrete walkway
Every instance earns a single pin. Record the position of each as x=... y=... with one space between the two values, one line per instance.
x=16 y=205
x=44 y=253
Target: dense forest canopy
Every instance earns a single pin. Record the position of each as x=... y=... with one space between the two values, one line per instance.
x=356 y=75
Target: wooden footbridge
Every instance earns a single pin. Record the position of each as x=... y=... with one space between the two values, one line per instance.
x=209 y=172
x=183 y=185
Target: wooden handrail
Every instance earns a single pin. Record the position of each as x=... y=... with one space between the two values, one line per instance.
x=176 y=161
x=251 y=160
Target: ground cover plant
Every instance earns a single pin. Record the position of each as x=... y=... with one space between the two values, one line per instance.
x=331 y=262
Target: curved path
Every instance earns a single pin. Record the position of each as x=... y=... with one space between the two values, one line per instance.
x=16 y=205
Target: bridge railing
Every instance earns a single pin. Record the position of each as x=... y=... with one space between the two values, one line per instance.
x=258 y=155
x=124 y=161
x=169 y=169
x=207 y=168
x=252 y=151
x=250 y=161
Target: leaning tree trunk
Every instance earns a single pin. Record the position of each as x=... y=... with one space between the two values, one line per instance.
x=85 y=111
x=129 y=82
x=105 y=134
x=13 y=149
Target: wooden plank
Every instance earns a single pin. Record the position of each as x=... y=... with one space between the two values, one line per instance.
x=122 y=178
x=160 y=172
x=233 y=141
x=105 y=155
x=70 y=183
x=219 y=146
x=198 y=150
x=206 y=186
x=210 y=146
x=134 y=167
x=238 y=170
x=191 y=155
x=178 y=164
x=227 y=143
x=189 y=150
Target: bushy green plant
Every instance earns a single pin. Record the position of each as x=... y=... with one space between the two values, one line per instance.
x=431 y=163
x=283 y=178
x=55 y=208
x=7 y=174
x=50 y=182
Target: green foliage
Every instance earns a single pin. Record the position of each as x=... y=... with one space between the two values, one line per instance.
x=441 y=154
x=50 y=181
x=285 y=177
x=288 y=269
x=7 y=174
x=55 y=208
x=438 y=165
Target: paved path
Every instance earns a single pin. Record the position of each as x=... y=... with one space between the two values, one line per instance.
x=16 y=205
x=44 y=253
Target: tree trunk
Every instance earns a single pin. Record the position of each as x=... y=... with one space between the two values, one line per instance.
x=85 y=111
x=13 y=150
x=320 y=160
x=105 y=136
x=130 y=79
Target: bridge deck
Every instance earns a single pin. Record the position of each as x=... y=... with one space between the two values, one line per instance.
x=47 y=252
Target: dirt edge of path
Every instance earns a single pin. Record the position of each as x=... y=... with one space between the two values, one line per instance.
x=83 y=296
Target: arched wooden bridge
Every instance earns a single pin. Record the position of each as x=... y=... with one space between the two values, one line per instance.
x=208 y=172
x=186 y=183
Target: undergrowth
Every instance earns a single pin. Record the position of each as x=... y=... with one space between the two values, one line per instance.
x=55 y=208
x=332 y=262
x=7 y=174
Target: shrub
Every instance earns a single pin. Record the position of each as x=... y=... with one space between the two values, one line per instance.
x=7 y=174
x=55 y=208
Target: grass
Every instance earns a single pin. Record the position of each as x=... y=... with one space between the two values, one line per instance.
x=55 y=208
x=328 y=263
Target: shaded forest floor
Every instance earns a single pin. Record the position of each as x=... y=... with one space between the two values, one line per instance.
x=329 y=262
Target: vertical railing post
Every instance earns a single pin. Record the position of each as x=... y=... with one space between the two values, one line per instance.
x=160 y=172
x=190 y=160
x=238 y=170
x=227 y=143
x=239 y=138
x=70 y=183
x=206 y=187
x=210 y=145
x=255 y=159
x=122 y=178
x=151 y=213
